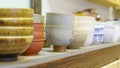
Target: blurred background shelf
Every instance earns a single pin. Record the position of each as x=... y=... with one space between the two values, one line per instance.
x=95 y=56
x=108 y=3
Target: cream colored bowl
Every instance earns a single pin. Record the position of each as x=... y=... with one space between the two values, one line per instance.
x=84 y=25
x=16 y=31
x=16 y=12
x=84 y=30
x=16 y=21
x=84 y=22
x=81 y=39
x=14 y=44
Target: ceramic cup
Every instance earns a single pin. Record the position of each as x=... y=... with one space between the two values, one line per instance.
x=98 y=33
x=83 y=32
x=34 y=48
x=108 y=32
x=38 y=34
x=116 y=28
x=59 y=30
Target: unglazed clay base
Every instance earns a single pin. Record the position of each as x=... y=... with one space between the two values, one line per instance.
x=59 y=48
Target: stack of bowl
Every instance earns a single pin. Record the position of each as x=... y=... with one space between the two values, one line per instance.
x=15 y=32
x=59 y=30
x=38 y=33
x=83 y=32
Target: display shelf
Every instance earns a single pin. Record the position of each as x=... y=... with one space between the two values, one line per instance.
x=47 y=55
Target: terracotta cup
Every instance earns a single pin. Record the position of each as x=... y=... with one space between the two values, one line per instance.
x=34 y=48
x=38 y=33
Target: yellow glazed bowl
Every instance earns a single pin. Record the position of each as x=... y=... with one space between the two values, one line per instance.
x=16 y=21
x=16 y=31
x=12 y=46
x=16 y=12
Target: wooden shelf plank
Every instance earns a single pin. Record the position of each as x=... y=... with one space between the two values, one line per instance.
x=94 y=59
x=83 y=56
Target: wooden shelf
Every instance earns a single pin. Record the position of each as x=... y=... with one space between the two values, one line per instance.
x=84 y=56
x=108 y=3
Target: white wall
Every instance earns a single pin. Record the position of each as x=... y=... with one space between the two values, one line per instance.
x=71 y=6
x=14 y=3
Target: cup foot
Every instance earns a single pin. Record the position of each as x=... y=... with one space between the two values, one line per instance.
x=59 y=48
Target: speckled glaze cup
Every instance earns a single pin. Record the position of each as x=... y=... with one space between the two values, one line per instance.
x=15 y=32
x=38 y=33
x=59 y=30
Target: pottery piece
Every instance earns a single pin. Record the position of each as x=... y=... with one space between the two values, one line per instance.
x=98 y=33
x=116 y=37
x=78 y=41
x=108 y=33
x=38 y=34
x=16 y=21
x=16 y=12
x=38 y=18
x=61 y=19
x=38 y=26
x=34 y=48
x=84 y=22
x=83 y=32
x=59 y=30
x=98 y=38
x=16 y=31
x=116 y=25
x=12 y=46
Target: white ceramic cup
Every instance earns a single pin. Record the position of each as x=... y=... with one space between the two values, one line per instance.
x=59 y=28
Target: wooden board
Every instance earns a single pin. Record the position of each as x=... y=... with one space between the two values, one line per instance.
x=94 y=59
